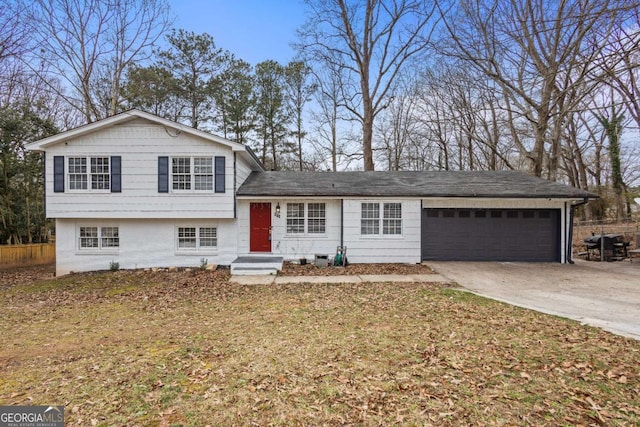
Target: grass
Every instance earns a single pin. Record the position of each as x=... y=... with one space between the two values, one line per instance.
x=188 y=349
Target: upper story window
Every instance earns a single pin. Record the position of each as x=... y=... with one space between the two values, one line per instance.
x=89 y=173
x=315 y=221
x=373 y=215
x=192 y=173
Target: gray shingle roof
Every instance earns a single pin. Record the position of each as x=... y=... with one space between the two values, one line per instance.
x=500 y=184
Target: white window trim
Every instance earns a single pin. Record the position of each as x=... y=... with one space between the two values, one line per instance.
x=380 y=234
x=305 y=218
x=193 y=174
x=67 y=180
x=99 y=250
x=208 y=250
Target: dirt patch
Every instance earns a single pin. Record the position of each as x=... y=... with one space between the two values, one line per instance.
x=293 y=269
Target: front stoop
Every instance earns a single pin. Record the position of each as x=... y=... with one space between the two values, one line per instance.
x=256 y=265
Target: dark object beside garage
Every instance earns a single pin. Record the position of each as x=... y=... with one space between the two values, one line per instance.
x=612 y=246
x=491 y=235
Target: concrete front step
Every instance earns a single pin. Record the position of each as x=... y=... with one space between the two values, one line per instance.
x=254 y=271
x=256 y=265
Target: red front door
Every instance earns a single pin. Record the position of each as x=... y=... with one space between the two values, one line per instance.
x=260 y=227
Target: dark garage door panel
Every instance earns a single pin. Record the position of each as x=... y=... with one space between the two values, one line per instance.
x=491 y=235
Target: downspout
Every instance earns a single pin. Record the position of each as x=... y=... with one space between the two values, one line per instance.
x=572 y=209
x=421 y=226
x=342 y=222
x=235 y=188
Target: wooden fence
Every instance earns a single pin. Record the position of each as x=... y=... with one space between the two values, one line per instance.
x=27 y=255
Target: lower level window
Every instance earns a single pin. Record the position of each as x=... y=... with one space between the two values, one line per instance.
x=194 y=238
x=93 y=237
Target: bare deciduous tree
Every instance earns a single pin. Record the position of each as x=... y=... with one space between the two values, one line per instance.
x=397 y=127
x=373 y=41
x=326 y=117
x=13 y=34
x=87 y=40
x=536 y=53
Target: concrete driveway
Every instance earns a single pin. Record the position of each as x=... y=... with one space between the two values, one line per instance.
x=606 y=295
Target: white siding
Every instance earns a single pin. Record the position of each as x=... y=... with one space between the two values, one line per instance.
x=243 y=226
x=143 y=244
x=404 y=248
x=139 y=146
x=243 y=170
x=293 y=246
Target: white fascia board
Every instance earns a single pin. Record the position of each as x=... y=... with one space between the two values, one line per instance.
x=124 y=117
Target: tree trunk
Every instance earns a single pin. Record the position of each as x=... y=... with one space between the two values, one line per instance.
x=334 y=139
x=367 y=134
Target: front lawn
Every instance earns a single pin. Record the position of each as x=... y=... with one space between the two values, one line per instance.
x=140 y=348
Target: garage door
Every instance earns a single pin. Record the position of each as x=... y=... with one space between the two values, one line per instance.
x=491 y=235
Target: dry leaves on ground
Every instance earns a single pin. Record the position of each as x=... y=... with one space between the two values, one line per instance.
x=293 y=269
x=141 y=348
x=25 y=275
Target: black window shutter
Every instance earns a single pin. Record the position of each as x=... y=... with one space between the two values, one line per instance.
x=58 y=174
x=220 y=165
x=163 y=174
x=116 y=174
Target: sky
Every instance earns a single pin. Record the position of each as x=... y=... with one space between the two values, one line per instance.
x=253 y=30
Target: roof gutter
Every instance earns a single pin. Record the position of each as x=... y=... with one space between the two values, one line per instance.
x=254 y=157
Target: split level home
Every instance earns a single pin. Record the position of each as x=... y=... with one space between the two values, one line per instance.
x=142 y=191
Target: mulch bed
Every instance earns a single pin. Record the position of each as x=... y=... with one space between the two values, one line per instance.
x=28 y=275
x=292 y=269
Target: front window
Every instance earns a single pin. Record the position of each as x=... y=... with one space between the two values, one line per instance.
x=110 y=237
x=89 y=237
x=181 y=173
x=203 y=173
x=77 y=173
x=98 y=238
x=373 y=215
x=208 y=237
x=314 y=222
x=295 y=218
x=196 y=238
x=99 y=173
x=192 y=173
x=95 y=177
x=392 y=219
x=370 y=222
x=187 y=238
